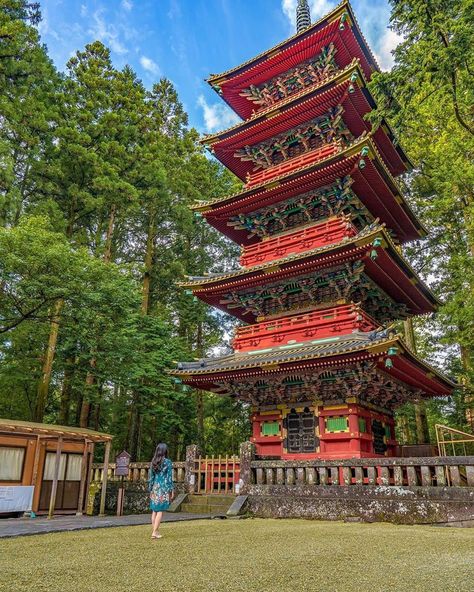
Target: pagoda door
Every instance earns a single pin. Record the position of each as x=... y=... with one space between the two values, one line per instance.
x=301 y=435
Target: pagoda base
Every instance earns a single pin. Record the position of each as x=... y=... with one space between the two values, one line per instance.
x=307 y=431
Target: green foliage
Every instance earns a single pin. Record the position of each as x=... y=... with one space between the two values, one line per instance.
x=95 y=228
x=429 y=95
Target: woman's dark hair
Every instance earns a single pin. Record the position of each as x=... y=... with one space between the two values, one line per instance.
x=161 y=453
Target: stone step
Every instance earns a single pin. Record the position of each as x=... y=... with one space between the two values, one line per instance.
x=208 y=504
x=214 y=500
x=195 y=509
x=205 y=510
x=200 y=500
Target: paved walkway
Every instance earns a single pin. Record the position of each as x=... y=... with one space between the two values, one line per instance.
x=13 y=527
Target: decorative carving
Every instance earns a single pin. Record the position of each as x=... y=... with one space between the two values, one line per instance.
x=331 y=200
x=316 y=70
x=322 y=130
x=346 y=282
x=362 y=380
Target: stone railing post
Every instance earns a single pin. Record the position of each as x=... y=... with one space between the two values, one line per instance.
x=192 y=454
x=247 y=454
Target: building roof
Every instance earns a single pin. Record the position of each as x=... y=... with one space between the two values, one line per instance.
x=347 y=87
x=390 y=270
x=300 y=110
x=338 y=27
x=46 y=429
x=331 y=352
x=374 y=185
x=283 y=354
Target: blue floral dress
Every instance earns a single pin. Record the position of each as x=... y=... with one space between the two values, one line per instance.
x=160 y=486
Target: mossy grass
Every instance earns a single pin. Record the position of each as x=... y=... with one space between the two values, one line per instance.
x=245 y=555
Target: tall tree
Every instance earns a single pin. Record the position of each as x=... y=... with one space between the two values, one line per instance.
x=429 y=95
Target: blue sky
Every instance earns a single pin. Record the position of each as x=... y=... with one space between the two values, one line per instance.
x=186 y=40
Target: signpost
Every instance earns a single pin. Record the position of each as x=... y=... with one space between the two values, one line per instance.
x=122 y=465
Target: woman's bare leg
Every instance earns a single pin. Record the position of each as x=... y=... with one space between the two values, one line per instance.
x=156 y=522
x=153 y=516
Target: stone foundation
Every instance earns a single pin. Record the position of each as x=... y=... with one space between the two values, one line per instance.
x=401 y=505
x=136 y=500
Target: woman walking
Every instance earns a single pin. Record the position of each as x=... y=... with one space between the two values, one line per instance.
x=160 y=486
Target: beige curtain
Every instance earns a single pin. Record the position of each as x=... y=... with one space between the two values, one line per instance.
x=50 y=464
x=73 y=472
x=11 y=463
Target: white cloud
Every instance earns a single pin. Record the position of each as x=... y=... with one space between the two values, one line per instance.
x=83 y=10
x=388 y=42
x=127 y=5
x=217 y=116
x=107 y=33
x=175 y=10
x=149 y=65
x=373 y=19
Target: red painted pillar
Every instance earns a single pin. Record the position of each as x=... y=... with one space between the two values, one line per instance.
x=354 y=444
x=322 y=443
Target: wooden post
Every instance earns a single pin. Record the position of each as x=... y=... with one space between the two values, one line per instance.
x=198 y=474
x=226 y=484
x=36 y=461
x=91 y=470
x=82 y=486
x=57 y=463
x=105 y=475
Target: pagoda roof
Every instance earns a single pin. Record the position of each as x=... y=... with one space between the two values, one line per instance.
x=347 y=38
x=390 y=271
x=308 y=104
x=333 y=352
x=374 y=185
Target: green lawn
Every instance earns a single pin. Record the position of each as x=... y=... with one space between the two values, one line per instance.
x=243 y=555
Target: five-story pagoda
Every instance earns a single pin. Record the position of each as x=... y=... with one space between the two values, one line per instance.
x=320 y=220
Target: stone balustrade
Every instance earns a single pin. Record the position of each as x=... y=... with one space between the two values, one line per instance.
x=138 y=471
x=454 y=471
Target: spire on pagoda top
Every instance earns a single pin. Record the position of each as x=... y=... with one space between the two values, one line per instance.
x=303 y=16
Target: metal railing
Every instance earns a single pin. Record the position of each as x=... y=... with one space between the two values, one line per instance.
x=453 y=442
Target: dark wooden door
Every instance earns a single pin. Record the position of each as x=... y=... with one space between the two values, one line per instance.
x=67 y=494
x=301 y=436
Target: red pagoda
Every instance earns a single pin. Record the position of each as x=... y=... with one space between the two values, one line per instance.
x=322 y=277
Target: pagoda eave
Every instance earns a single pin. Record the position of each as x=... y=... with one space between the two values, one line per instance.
x=373 y=183
x=404 y=366
x=355 y=104
x=346 y=37
x=347 y=87
x=240 y=129
x=388 y=269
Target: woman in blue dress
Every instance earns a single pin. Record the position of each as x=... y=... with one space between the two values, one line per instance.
x=160 y=486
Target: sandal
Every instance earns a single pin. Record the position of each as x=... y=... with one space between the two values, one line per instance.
x=156 y=536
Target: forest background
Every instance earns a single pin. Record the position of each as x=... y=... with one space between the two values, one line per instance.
x=96 y=177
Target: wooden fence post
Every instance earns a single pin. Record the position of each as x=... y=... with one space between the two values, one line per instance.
x=105 y=476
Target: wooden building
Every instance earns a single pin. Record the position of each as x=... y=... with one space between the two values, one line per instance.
x=48 y=466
